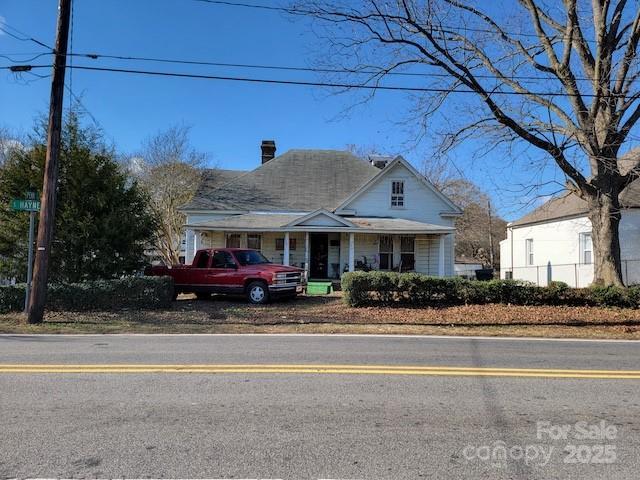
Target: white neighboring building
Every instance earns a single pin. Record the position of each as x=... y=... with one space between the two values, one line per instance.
x=554 y=242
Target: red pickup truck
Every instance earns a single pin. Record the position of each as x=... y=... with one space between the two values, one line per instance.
x=234 y=271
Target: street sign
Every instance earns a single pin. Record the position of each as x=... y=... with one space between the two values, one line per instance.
x=31 y=195
x=29 y=204
x=25 y=205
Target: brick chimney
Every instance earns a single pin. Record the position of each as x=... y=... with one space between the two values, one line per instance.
x=268 y=150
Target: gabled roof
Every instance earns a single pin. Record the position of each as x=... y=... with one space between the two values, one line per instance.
x=318 y=214
x=381 y=173
x=569 y=205
x=298 y=180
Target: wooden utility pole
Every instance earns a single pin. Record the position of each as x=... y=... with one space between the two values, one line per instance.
x=48 y=200
x=491 y=257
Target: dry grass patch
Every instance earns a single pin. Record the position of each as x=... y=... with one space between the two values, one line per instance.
x=330 y=315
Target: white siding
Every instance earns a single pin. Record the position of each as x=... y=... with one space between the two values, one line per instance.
x=321 y=220
x=367 y=248
x=296 y=257
x=213 y=240
x=423 y=253
x=426 y=252
x=344 y=251
x=556 y=247
x=421 y=204
x=334 y=254
x=449 y=255
x=366 y=245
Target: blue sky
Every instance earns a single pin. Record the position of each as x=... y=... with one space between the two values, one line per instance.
x=228 y=119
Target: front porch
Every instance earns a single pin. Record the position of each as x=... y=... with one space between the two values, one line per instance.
x=328 y=254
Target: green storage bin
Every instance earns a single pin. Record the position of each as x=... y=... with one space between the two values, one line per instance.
x=318 y=288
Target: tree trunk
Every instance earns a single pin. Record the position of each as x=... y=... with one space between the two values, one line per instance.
x=605 y=214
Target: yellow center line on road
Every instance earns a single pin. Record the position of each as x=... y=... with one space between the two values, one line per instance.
x=318 y=369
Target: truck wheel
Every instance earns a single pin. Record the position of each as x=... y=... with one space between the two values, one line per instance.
x=257 y=293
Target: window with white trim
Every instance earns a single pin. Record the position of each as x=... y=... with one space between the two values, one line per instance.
x=233 y=240
x=586 y=248
x=397 y=193
x=254 y=241
x=529 y=250
x=407 y=253
x=385 y=252
x=280 y=244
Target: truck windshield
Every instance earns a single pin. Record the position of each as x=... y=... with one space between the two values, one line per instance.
x=250 y=257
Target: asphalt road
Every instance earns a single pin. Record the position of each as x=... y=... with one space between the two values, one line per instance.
x=323 y=423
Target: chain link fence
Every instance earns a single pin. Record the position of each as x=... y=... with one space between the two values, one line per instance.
x=576 y=275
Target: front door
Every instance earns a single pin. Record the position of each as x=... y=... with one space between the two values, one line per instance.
x=319 y=255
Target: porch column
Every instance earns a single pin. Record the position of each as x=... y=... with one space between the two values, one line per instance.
x=441 y=257
x=352 y=251
x=307 y=253
x=190 y=244
x=285 y=260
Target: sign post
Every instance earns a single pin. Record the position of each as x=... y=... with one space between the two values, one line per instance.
x=32 y=224
x=29 y=204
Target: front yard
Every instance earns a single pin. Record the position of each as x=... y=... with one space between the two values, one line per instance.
x=330 y=315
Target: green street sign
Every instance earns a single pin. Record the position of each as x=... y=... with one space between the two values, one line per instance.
x=25 y=205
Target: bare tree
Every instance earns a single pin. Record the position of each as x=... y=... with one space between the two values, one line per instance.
x=169 y=170
x=364 y=151
x=7 y=143
x=478 y=229
x=557 y=75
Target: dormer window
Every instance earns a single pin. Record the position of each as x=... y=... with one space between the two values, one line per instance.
x=397 y=194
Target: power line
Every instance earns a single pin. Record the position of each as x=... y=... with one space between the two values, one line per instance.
x=22 y=68
x=381 y=72
x=19 y=35
x=76 y=97
x=33 y=57
x=27 y=37
x=311 y=13
x=314 y=84
x=247 y=5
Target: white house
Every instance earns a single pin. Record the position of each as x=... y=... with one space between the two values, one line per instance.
x=554 y=242
x=327 y=211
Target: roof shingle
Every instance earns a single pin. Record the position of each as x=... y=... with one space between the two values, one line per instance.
x=280 y=221
x=298 y=180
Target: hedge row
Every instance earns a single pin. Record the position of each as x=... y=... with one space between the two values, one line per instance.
x=389 y=288
x=129 y=292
